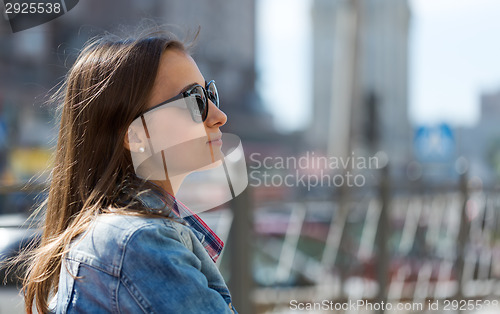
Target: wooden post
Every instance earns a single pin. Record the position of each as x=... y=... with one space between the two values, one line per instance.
x=383 y=258
x=240 y=253
x=462 y=235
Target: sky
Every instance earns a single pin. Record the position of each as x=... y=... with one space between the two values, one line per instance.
x=284 y=61
x=454 y=57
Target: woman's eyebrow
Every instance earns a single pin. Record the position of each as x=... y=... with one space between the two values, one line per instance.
x=188 y=87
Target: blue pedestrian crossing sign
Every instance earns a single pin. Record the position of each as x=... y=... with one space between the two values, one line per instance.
x=434 y=144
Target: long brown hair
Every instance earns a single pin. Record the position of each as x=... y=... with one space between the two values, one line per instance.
x=105 y=89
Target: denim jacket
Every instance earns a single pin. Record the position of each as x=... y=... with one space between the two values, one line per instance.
x=133 y=264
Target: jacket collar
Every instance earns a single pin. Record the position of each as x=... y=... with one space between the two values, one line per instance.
x=168 y=206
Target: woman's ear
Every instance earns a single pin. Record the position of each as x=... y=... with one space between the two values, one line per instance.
x=133 y=141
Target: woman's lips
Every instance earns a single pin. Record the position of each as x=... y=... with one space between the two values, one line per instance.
x=217 y=141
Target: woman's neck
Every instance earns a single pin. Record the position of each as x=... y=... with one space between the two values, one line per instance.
x=171 y=185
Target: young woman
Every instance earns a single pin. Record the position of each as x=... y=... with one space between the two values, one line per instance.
x=113 y=238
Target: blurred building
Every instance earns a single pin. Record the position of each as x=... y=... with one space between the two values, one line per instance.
x=378 y=115
x=480 y=144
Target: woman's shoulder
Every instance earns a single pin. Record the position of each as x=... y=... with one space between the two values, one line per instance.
x=111 y=236
x=128 y=228
x=123 y=223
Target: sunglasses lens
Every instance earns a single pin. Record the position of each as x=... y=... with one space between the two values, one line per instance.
x=192 y=103
x=197 y=94
x=213 y=95
x=199 y=112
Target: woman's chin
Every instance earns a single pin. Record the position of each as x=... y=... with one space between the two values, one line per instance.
x=212 y=165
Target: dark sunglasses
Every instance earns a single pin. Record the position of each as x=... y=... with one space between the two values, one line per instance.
x=196 y=98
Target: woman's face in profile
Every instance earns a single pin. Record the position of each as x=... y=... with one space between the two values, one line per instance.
x=187 y=145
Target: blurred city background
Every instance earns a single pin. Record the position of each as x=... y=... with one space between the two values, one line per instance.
x=413 y=86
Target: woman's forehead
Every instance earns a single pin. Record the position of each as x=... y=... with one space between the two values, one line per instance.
x=176 y=71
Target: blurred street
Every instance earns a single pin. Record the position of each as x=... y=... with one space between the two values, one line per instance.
x=11 y=302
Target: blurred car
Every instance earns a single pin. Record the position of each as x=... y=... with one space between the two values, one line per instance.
x=16 y=234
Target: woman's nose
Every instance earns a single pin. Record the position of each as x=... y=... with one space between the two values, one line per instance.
x=215 y=116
